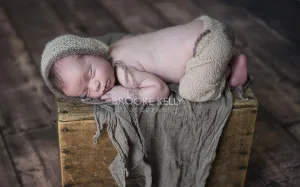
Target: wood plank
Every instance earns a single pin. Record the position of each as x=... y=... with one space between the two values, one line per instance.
x=36 y=156
x=7 y=171
x=279 y=48
x=275 y=154
x=80 y=111
x=294 y=129
x=176 y=11
x=134 y=15
x=252 y=179
x=82 y=163
x=23 y=100
x=36 y=23
x=230 y=165
x=86 y=18
x=279 y=15
x=27 y=120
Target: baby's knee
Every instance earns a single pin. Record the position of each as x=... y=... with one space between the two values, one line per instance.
x=201 y=93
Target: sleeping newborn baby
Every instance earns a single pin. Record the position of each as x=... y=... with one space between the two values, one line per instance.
x=200 y=56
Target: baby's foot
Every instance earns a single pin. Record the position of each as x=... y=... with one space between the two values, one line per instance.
x=239 y=79
x=239 y=72
x=241 y=88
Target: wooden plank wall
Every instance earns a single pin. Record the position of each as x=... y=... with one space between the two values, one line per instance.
x=29 y=154
x=27 y=119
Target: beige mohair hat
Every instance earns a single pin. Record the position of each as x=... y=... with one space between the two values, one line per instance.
x=66 y=45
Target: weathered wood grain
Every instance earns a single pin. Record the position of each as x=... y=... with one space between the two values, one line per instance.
x=252 y=179
x=7 y=171
x=86 y=17
x=83 y=164
x=36 y=157
x=280 y=15
x=23 y=100
x=134 y=15
x=176 y=11
x=25 y=114
x=275 y=154
x=36 y=23
x=79 y=166
x=294 y=129
x=80 y=111
x=233 y=152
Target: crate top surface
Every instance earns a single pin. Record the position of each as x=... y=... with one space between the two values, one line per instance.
x=75 y=111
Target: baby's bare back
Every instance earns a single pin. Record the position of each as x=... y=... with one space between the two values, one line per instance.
x=163 y=53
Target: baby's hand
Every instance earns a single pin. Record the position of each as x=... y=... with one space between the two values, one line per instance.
x=116 y=93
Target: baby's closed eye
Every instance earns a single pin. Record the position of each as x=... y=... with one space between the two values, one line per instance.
x=90 y=73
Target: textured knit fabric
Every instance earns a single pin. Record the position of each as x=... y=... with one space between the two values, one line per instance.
x=206 y=73
x=66 y=45
x=164 y=144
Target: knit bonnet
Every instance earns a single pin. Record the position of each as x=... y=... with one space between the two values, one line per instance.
x=66 y=45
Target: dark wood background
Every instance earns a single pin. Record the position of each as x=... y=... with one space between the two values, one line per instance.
x=267 y=32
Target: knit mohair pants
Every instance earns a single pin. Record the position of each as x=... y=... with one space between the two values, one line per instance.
x=206 y=73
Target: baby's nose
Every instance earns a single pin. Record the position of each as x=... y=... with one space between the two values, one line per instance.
x=94 y=85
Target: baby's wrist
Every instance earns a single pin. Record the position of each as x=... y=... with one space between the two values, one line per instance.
x=134 y=94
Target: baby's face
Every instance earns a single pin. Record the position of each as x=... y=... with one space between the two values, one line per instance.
x=87 y=76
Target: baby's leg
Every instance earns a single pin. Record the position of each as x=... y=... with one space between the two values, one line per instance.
x=205 y=74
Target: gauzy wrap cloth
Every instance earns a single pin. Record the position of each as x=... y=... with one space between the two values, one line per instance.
x=170 y=143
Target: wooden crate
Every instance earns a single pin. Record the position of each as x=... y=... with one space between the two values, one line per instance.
x=83 y=165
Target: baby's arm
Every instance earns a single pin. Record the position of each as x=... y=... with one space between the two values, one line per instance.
x=139 y=85
x=150 y=88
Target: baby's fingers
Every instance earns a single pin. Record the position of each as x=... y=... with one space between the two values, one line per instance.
x=106 y=96
x=108 y=100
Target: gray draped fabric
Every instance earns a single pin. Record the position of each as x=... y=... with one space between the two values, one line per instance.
x=164 y=144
